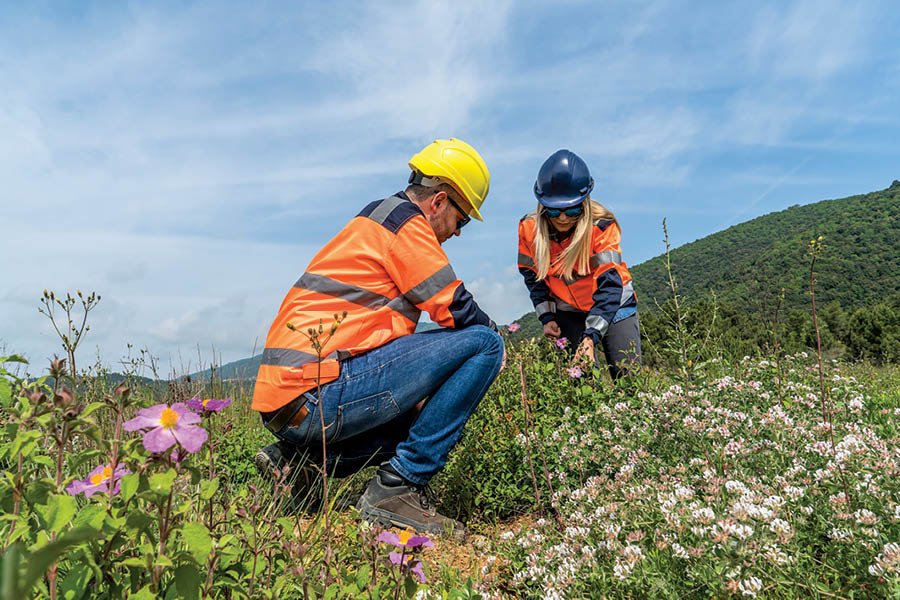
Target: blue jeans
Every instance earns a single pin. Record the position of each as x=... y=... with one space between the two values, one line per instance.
x=369 y=409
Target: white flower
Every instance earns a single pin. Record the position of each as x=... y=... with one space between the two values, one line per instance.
x=633 y=553
x=679 y=551
x=750 y=586
x=780 y=527
x=623 y=570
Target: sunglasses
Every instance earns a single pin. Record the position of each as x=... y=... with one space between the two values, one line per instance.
x=573 y=212
x=460 y=223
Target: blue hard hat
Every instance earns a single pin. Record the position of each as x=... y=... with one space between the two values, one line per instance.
x=563 y=181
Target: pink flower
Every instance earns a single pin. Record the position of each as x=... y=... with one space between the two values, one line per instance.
x=168 y=425
x=513 y=327
x=409 y=563
x=98 y=481
x=574 y=372
x=562 y=342
x=404 y=540
x=210 y=405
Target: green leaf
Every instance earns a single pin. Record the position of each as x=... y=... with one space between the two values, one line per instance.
x=75 y=582
x=188 y=582
x=133 y=562
x=145 y=594
x=196 y=538
x=5 y=392
x=129 y=485
x=91 y=408
x=362 y=576
x=40 y=560
x=13 y=358
x=161 y=483
x=91 y=516
x=58 y=511
x=410 y=586
x=208 y=488
x=42 y=460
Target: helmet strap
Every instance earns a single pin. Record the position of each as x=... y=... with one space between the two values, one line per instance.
x=419 y=178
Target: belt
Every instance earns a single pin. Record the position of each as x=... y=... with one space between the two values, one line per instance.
x=293 y=412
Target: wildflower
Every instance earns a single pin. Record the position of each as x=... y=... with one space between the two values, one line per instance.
x=562 y=342
x=750 y=586
x=168 y=425
x=574 y=372
x=512 y=327
x=409 y=562
x=210 y=405
x=404 y=540
x=98 y=481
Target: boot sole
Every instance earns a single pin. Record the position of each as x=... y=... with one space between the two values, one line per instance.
x=389 y=519
x=264 y=464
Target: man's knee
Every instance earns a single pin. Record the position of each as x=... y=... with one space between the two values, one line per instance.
x=490 y=342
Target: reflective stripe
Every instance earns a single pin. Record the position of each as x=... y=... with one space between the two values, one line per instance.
x=331 y=287
x=606 y=257
x=566 y=307
x=432 y=285
x=627 y=293
x=525 y=260
x=287 y=357
x=384 y=209
x=405 y=308
x=596 y=322
x=545 y=307
x=356 y=295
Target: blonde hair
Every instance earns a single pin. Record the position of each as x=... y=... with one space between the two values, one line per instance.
x=577 y=257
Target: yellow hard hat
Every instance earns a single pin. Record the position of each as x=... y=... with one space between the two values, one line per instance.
x=457 y=163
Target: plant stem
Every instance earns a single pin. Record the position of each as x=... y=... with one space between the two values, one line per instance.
x=530 y=423
x=825 y=420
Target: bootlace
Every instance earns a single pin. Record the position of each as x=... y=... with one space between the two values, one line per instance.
x=427 y=498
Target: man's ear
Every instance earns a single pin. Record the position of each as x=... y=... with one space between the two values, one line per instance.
x=438 y=200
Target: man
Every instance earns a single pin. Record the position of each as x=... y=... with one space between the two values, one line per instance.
x=383 y=269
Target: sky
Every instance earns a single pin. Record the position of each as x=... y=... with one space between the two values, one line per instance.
x=186 y=160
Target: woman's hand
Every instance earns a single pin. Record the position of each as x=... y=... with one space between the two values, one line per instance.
x=585 y=353
x=551 y=330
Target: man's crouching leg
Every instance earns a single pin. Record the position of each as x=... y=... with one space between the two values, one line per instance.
x=466 y=362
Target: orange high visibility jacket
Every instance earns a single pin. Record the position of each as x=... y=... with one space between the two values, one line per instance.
x=599 y=294
x=383 y=268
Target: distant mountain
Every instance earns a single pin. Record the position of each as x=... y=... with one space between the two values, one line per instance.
x=748 y=264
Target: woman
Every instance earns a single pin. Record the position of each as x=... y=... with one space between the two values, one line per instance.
x=570 y=258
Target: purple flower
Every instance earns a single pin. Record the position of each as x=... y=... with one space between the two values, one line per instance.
x=168 y=425
x=210 y=405
x=513 y=327
x=404 y=540
x=562 y=342
x=413 y=565
x=98 y=481
x=574 y=372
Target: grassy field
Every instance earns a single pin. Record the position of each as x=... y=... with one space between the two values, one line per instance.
x=735 y=479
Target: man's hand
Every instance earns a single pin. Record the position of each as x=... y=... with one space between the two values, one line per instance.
x=551 y=330
x=585 y=353
x=503 y=362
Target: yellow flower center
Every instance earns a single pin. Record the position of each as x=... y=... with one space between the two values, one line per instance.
x=404 y=537
x=169 y=418
x=101 y=477
x=205 y=402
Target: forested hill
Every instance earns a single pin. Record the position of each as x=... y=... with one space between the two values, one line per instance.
x=747 y=265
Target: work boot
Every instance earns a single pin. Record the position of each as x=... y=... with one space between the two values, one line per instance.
x=274 y=457
x=304 y=477
x=391 y=501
